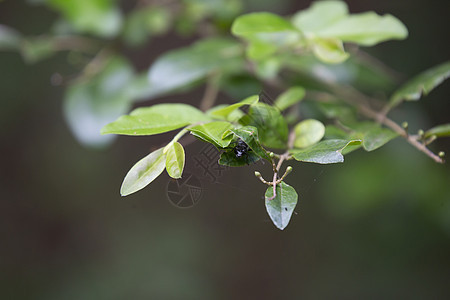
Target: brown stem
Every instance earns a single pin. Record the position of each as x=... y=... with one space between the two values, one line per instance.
x=354 y=97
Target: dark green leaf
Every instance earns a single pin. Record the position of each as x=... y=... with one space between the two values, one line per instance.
x=376 y=137
x=290 y=97
x=324 y=152
x=143 y=172
x=281 y=207
x=228 y=158
x=156 y=119
x=212 y=132
x=422 y=84
x=439 y=131
x=175 y=159
x=249 y=135
x=271 y=125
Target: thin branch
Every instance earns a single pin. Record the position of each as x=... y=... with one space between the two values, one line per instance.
x=210 y=95
x=354 y=97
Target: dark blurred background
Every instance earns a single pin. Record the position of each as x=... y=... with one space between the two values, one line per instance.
x=377 y=226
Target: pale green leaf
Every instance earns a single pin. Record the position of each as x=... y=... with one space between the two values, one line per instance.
x=175 y=159
x=439 y=131
x=224 y=112
x=99 y=17
x=324 y=152
x=290 y=97
x=156 y=119
x=181 y=67
x=321 y=14
x=365 y=29
x=212 y=132
x=422 y=84
x=329 y=50
x=143 y=172
x=9 y=38
x=260 y=22
x=281 y=207
x=308 y=132
x=90 y=105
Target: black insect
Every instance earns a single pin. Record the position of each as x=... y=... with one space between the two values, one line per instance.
x=241 y=149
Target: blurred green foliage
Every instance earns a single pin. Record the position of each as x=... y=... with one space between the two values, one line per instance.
x=377 y=226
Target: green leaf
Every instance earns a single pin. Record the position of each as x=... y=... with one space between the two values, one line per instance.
x=422 y=84
x=271 y=125
x=144 y=22
x=260 y=22
x=224 y=112
x=175 y=159
x=90 y=104
x=212 y=132
x=249 y=135
x=143 y=172
x=99 y=17
x=308 y=132
x=178 y=68
x=329 y=50
x=439 y=131
x=320 y=15
x=365 y=29
x=10 y=39
x=281 y=207
x=290 y=97
x=36 y=49
x=156 y=119
x=324 y=152
x=376 y=137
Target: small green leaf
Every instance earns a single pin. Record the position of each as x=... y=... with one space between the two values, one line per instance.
x=249 y=135
x=290 y=97
x=281 y=207
x=155 y=119
x=329 y=50
x=439 y=131
x=320 y=15
x=175 y=159
x=365 y=29
x=324 y=152
x=308 y=132
x=37 y=49
x=260 y=22
x=99 y=17
x=9 y=38
x=143 y=172
x=224 y=112
x=376 y=137
x=422 y=84
x=212 y=132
